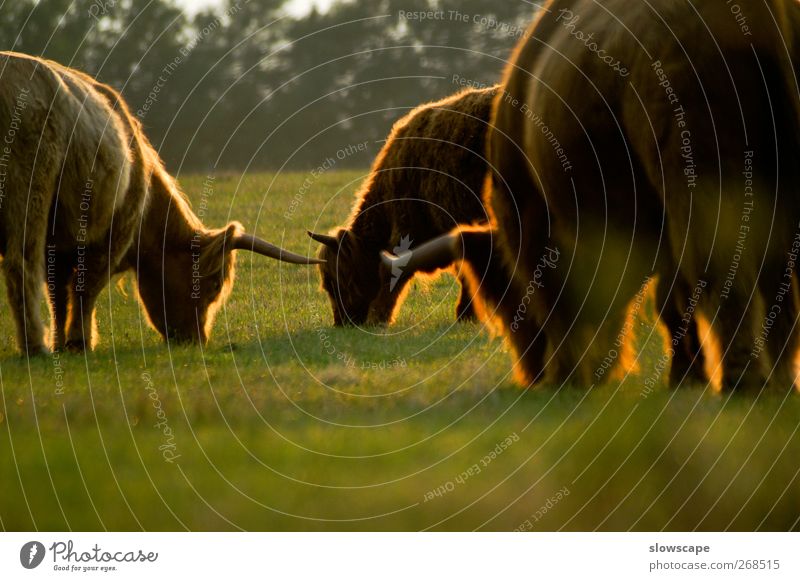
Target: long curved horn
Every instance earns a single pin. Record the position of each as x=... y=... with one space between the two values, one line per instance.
x=437 y=253
x=329 y=241
x=259 y=246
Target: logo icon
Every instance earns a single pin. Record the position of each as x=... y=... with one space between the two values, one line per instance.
x=403 y=253
x=31 y=554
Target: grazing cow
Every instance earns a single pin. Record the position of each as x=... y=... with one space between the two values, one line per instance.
x=83 y=195
x=427 y=178
x=636 y=140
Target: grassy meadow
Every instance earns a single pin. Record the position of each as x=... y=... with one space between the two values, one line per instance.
x=284 y=423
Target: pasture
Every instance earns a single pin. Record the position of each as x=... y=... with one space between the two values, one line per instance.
x=284 y=423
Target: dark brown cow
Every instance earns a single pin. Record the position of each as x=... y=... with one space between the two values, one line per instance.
x=638 y=140
x=83 y=195
x=427 y=178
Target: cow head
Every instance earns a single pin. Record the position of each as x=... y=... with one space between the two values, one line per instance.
x=183 y=288
x=356 y=281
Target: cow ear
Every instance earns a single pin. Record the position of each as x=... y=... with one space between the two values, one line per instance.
x=325 y=239
x=232 y=232
x=217 y=244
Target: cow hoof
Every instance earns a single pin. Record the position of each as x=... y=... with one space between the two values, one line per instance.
x=35 y=351
x=75 y=345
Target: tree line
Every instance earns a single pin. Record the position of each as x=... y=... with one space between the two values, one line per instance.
x=249 y=85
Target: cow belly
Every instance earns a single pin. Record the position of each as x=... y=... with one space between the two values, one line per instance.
x=94 y=183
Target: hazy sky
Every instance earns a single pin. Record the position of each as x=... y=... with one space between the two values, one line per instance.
x=296 y=6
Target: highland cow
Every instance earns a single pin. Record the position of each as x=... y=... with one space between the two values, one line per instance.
x=681 y=131
x=427 y=179
x=84 y=196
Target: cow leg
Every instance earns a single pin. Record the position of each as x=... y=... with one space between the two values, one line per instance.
x=59 y=274
x=465 y=310
x=579 y=352
x=735 y=330
x=384 y=308
x=91 y=276
x=529 y=342
x=688 y=361
x=23 y=265
x=499 y=294
x=98 y=263
x=777 y=333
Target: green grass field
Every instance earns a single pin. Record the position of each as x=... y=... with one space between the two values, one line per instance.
x=285 y=423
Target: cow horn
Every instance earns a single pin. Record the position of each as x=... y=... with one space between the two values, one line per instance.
x=437 y=253
x=259 y=246
x=329 y=241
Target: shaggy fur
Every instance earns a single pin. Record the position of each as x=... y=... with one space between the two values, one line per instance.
x=86 y=196
x=652 y=190
x=427 y=178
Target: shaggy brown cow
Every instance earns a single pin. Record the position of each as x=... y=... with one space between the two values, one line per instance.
x=681 y=129
x=83 y=195
x=427 y=178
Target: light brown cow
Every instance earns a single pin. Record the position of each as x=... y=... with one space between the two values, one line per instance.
x=83 y=196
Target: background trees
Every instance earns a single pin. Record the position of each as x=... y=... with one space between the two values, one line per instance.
x=249 y=86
